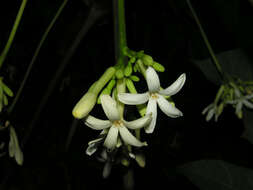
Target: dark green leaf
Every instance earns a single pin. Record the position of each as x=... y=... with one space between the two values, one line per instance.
x=235 y=62
x=218 y=175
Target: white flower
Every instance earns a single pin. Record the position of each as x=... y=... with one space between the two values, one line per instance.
x=211 y=110
x=155 y=96
x=116 y=124
x=241 y=100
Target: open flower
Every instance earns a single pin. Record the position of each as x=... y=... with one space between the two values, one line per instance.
x=116 y=124
x=155 y=96
x=241 y=101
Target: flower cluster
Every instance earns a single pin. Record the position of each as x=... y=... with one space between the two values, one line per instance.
x=236 y=93
x=110 y=92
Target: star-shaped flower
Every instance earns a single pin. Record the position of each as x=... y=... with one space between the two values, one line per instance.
x=116 y=124
x=155 y=96
x=241 y=100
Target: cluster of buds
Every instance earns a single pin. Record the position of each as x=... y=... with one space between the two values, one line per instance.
x=113 y=91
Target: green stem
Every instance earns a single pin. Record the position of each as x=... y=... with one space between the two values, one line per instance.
x=121 y=88
x=208 y=45
x=36 y=55
x=119 y=31
x=13 y=32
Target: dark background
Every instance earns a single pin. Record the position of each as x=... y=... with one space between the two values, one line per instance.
x=167 y=32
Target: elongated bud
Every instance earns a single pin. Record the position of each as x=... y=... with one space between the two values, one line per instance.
x=128 y=70
x=88 y=101
x=158 y=67
x=107 y=90
x=85 y=105
x=130 y=86
x=104 y=79
x=147 y=60
x=136 y=68
x=134 y=78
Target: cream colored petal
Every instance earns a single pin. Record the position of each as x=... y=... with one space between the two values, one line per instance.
x=151 y=108
x=96 y=124
x=111 y=138
x=139 y=123
x=239 y=107
x=92 y=148
x=174 y=87
x=248 y=104
x=129 y=138
x=168 y=108
x=110 y=107
x=152 y=80
x=133 y=99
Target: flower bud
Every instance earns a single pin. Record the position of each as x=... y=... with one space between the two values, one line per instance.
x=128 y=70
x=85 y=105
x=147 y=60
x=119 y=74
x=130 y=86
x=158 y=67
x=134 y=78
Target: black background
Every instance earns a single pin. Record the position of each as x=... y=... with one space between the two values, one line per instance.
x=167 y=32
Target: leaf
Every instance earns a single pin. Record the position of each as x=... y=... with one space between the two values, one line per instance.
x=218 y=175
x=234 y=62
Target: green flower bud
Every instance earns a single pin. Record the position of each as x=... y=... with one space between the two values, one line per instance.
x=136 y=68
x=107 y=90
x=119 y=74
x=130 y=86
x=132 y=60
x=158 y=67
x=111 y=84
x=134 y=78
x=85 y=105
x=128 y=70
x=140 y=54
x=147 y=60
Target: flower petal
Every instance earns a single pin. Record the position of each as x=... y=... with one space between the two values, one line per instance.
x=133 y=99
x=111 y=139
x=129 y=138
x=139 y=123
x=152 y=80
x=96 y=124
x=151 y=108
x=91 y=149
x=238 y=108
x=248 y=104
x=175 y=87
x=210 y=114
x=168 y=108
x=110 y=107
x=210 y=106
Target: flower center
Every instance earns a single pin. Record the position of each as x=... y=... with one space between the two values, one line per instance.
x=153 y=95
x=118 y=123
